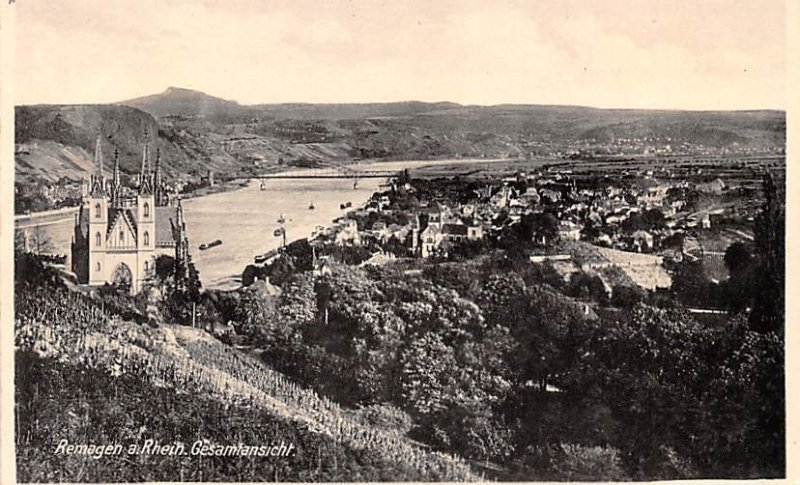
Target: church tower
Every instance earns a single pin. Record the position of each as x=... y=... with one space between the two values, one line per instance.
x=98 y=219
x=146 y=175
x=115 y=238
x=146 y=219
x=116 y=183
x=158 y=183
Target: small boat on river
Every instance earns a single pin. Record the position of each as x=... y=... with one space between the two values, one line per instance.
x=210 y=245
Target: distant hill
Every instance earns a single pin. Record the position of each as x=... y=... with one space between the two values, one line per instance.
x=189 y=103
x=48 y=134
x=55 y=141
x=195 y=104
x=351 y=111
x=717 y=129
x=197 y=132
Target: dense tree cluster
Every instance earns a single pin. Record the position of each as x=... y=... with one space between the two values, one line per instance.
x=757 y=275
x=770 y=277
x=499 y=367
x=648 y=220
x=533 y=230
x=174 y=294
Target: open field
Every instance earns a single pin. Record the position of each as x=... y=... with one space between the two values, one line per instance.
x=645 y=270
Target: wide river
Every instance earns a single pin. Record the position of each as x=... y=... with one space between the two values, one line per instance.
x=244 y=220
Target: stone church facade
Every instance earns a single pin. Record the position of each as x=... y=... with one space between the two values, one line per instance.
x=120 y=231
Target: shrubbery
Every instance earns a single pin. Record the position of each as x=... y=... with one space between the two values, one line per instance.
x=489 y=366
x=572 y=463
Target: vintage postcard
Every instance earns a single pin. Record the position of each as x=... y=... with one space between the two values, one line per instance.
x=356 y=241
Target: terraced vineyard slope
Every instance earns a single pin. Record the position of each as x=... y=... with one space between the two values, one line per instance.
x=184 y=386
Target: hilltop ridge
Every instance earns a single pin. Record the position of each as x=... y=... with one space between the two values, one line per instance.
x=176 y=101
x=197 y=132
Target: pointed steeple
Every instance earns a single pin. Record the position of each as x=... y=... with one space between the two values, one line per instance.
x=98 y=158
x=157 y=170
x=179 y=216
x=158 y=188
x=145 y=177
x=116 y=180
x=116 y=184
x=146 y=153
x=98 y=180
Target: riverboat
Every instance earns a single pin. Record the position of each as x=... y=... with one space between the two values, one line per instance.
x=210 y=245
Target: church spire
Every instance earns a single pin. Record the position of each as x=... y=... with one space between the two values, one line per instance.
x=158 y=190
x=146 y=154
x=98 y=180
x=157 y=170
x=179 y=216
x=98 y=157
x=116 y=168
x=145 y=177
x=116 y=184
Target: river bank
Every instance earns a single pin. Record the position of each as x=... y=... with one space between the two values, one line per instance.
x=244 y=217
x=245 y=220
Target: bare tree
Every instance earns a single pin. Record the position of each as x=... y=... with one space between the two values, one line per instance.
x=39 y=241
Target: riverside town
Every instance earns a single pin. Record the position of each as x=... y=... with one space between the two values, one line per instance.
x=223 y=283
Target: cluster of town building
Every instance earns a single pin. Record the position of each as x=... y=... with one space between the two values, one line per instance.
x=596 y=214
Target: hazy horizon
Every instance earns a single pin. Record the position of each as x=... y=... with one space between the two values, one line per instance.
x=624 y=54
x=400 y=101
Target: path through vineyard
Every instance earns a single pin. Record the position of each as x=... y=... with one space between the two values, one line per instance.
x=191 y=360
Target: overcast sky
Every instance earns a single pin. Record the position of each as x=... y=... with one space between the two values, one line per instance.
x=686 y=54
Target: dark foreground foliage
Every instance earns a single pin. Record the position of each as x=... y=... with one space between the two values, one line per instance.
x=57 y=401
x=500 y=370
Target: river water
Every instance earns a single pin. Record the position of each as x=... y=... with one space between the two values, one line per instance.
x=245 y=220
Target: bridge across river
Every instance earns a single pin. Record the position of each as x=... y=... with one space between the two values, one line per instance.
x=329 y=170
x=330 y=174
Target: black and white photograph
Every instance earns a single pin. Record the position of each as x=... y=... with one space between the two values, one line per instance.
x=396 y=241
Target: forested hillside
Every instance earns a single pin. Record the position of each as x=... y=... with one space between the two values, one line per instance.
x=197 y=132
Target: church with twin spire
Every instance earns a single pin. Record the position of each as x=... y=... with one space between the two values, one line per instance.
x=120 y=231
